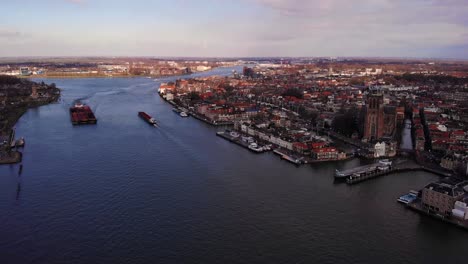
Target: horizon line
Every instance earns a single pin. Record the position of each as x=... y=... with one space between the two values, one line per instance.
x=230 y=57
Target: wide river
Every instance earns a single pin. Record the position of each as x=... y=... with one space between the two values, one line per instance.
x=124 y=192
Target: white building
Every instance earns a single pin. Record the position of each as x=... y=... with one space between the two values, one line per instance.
x=379 y=149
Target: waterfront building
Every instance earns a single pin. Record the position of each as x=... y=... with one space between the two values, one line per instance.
x=167 y=87
x=325 y=154
x=379 y=149
x=25 y=71
x=440 y=197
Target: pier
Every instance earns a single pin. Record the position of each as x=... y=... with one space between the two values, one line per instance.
x=294 y=160
x=375 y=170
x=243 y=141
x=210 y=122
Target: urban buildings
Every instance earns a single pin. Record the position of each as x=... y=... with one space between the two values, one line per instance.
x=440 y=197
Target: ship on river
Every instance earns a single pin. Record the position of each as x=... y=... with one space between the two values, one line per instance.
x=81 y=114
x=150 y=120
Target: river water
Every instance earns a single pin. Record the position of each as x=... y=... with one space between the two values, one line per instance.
x=406 y=139
x=124 y=192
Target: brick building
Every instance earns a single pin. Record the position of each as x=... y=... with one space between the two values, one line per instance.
x=440 y=197
x=380 y=119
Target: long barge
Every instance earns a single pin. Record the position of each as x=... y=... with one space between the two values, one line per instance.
x=81 y=114
x=150 y=120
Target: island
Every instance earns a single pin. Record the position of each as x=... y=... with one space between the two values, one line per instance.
x=16 y=97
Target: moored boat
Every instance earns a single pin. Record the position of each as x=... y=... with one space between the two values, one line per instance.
x=255 y=147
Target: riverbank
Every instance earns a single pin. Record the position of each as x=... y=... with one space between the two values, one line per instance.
x=95 y=76
x=19 y=95
x=417 y=207
x=10 y=158
x=104 y=76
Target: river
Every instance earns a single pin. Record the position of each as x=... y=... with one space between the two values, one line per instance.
x=406 y=139
x=124 y=192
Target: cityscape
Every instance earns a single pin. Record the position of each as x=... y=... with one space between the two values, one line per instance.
x=294 y=153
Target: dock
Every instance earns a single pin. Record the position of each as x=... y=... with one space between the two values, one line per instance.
x=18 y=143
x=197 y=116
x=243 y=141
x=294 y=160
x=210 y=122
x=375 y=170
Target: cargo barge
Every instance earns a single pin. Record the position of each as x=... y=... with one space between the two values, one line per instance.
x=148 y=118
x=82 y=114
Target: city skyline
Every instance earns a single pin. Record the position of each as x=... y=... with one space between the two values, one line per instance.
x=245 y=28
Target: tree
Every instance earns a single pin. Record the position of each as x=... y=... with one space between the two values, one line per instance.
x=306 y=114
x=357 y=81
x=6 y=79
x=194 y=96
x=293 y=92
x=345 y=122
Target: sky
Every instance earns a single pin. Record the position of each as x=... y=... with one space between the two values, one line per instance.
x=235 y=28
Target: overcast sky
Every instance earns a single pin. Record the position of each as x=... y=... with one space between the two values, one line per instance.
x=232 y=28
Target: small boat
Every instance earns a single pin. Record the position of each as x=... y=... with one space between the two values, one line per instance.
x=234 y=134
x=267 y=148
x=183 y=114
x=255 y=148
x=385 y=162
x=408 y=198
x=150 y=120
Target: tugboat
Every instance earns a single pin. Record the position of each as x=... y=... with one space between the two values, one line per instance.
x=148 y=118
